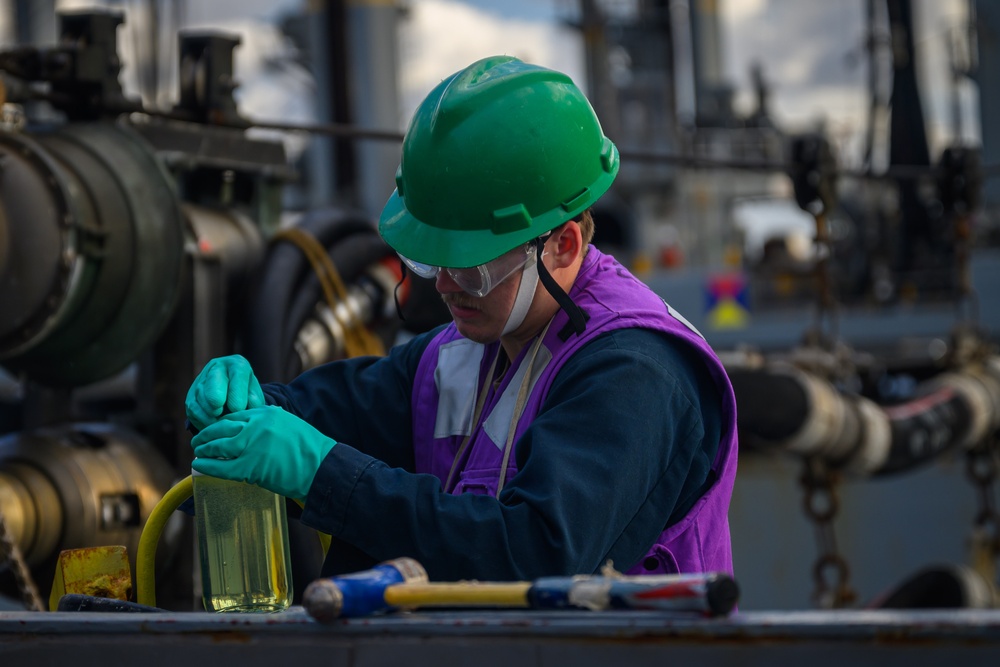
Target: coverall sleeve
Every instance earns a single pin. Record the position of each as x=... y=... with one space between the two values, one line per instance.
x=362 y=400
x=618 y=445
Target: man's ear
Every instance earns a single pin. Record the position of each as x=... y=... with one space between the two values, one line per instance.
x=566 y=244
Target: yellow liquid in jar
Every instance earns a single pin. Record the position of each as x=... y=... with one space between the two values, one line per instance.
x=243 y=546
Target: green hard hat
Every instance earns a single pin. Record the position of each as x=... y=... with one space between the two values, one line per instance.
x=497 y=154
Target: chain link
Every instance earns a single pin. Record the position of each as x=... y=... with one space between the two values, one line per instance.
x=982 y=469
x=10 y=555
x=831 y=573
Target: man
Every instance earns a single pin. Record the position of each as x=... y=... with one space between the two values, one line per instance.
x=566 y=418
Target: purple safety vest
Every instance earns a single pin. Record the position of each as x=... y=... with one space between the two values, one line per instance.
x=452 y=370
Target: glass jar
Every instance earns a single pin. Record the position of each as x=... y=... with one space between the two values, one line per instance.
x=242 y=532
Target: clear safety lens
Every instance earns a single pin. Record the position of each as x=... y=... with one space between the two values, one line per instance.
x=480 y=280
x=422 y=270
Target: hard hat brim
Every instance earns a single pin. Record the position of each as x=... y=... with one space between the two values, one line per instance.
x=462 y=248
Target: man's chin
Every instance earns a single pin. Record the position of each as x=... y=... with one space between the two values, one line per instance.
x=476 y=334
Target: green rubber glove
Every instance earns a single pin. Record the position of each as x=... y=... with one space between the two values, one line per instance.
x=264 y=446
x=225 y=384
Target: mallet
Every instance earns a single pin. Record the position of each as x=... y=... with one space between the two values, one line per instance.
x=403 y=583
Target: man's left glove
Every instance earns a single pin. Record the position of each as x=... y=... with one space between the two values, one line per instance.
x=264 y=446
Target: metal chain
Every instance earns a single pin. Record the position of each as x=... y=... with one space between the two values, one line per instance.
x=10 y=554
x=982 y=469
x=831 y=573
x=826 y=312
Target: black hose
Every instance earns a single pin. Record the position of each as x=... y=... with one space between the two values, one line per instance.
x=351 y=256
x=925 y=428
x=285 y=269
x=777 y=411
x=772 y=407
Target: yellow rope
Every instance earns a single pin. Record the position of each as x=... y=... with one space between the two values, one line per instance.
x=358 y=340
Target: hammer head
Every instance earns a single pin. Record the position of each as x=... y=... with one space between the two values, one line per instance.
x=361 y=593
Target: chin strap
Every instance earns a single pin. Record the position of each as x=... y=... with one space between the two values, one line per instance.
x=525 y=295
x=577 y=317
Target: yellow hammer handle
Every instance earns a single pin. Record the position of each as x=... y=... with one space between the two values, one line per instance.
x=486 y=594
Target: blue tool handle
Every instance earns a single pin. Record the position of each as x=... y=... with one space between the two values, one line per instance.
x=361 y=593
x=364 y=593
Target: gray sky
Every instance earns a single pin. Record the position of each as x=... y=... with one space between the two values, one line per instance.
x=812 y=52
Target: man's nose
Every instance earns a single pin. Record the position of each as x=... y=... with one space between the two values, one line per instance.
x=445 y=284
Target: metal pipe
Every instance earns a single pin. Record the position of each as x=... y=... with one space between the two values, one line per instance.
x=76 y=486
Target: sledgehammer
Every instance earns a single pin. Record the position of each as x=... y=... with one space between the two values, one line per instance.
x=403 y=583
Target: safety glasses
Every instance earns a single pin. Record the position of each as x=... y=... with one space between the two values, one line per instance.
x=480 y=280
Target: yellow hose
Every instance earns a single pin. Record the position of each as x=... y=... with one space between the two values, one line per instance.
x=324 y=539
x=145 y=560
x=358 y=340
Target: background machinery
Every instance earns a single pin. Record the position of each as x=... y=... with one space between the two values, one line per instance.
x=138 y=243
x=134 y=249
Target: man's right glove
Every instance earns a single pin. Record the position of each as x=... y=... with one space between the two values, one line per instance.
x=225 y=384
x=267 y=447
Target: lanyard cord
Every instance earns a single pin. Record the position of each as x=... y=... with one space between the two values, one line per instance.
x=522 y=400
x=480 y=402
x=522 y=394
